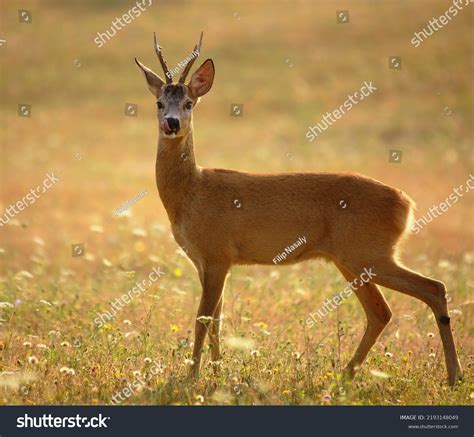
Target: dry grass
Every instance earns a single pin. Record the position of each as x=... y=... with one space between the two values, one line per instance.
x=80 y=111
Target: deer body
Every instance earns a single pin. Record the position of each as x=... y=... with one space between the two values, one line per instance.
x=224 y=217
x=244 y=218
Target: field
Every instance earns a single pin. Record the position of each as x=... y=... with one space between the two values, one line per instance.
x=287 y=63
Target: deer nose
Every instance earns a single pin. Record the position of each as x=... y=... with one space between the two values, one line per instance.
x=173 y=123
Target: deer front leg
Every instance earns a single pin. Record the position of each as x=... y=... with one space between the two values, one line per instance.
x=213 y=279
x=215 y=331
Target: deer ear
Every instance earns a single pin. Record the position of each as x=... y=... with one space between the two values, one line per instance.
x=153 y=80
x=201 y=80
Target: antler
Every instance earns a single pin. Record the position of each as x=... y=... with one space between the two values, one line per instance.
x=169 y=77
x=191 y=62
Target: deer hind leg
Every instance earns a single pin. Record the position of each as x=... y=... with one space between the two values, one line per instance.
x=391 y=275
x=378 y=316
x=212 y=279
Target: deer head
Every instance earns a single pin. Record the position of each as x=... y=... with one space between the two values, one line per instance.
x=175 y=102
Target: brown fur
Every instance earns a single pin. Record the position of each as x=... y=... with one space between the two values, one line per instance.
x=275 y=209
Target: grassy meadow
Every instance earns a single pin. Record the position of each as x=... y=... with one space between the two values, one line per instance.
x=287 y=63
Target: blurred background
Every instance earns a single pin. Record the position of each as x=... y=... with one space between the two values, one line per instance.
x=287 y=63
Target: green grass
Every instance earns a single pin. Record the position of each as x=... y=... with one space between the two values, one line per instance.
x=264 y=307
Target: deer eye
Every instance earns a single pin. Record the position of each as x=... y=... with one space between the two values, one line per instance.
x=188 y=105
x=160 y=105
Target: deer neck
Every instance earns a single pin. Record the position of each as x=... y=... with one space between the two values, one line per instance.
x=176 y=173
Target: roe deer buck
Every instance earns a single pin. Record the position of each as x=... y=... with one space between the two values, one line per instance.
x=271 y=211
